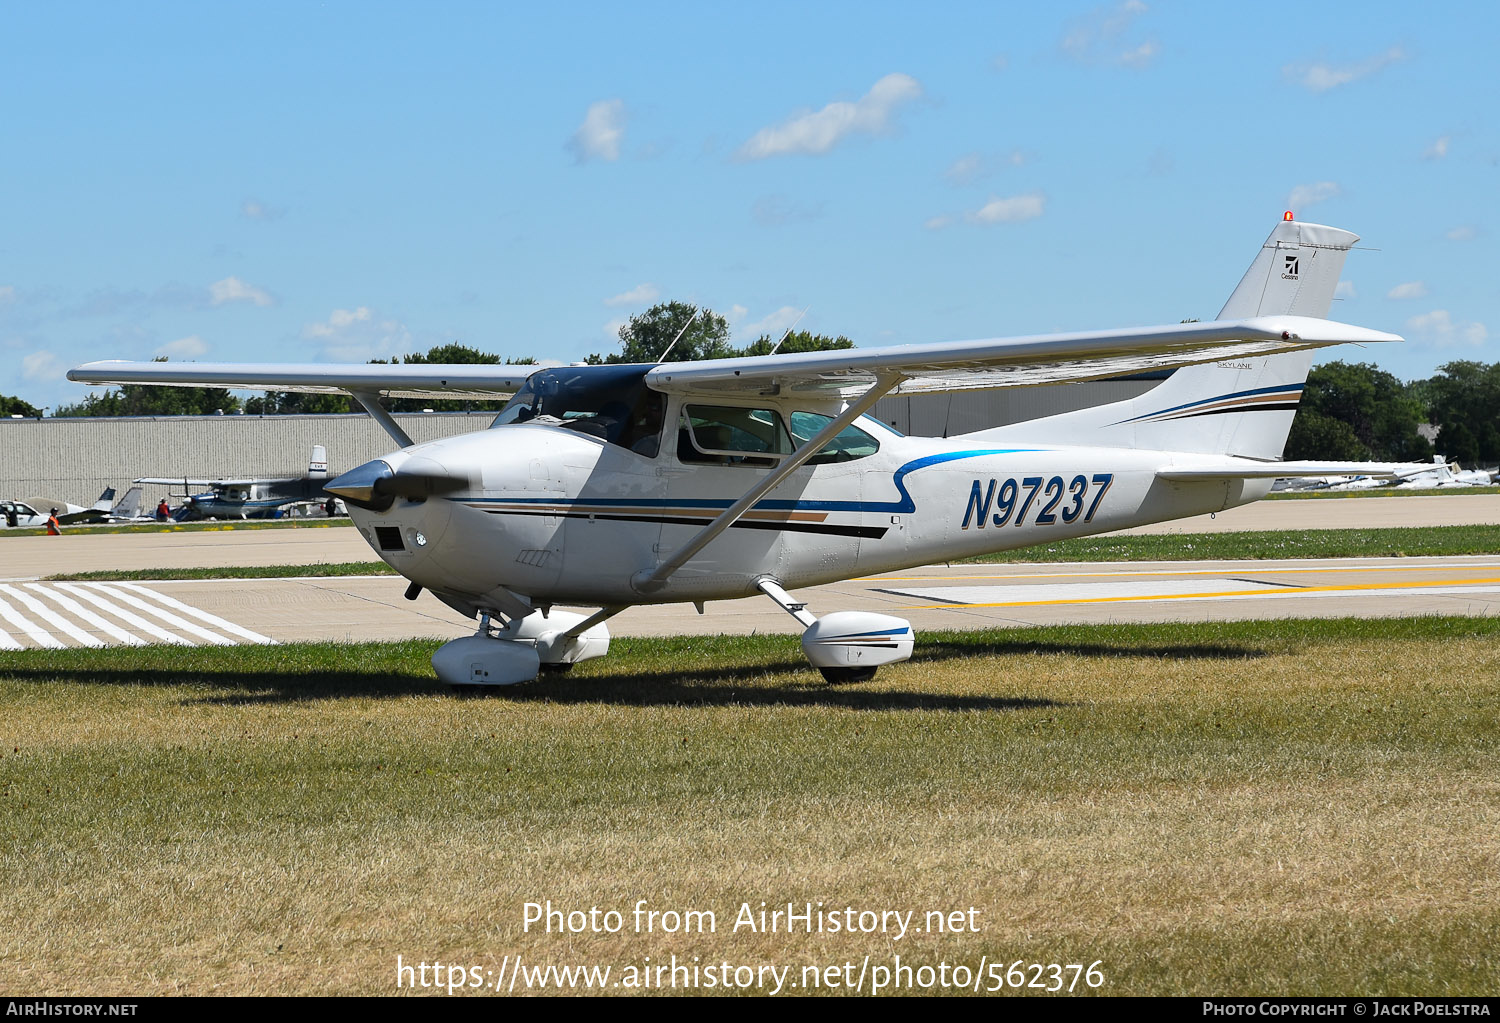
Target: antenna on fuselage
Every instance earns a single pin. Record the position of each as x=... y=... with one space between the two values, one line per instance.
x=788 y=332
x=662 y=357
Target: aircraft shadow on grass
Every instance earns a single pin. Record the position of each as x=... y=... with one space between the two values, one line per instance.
x=742 y=685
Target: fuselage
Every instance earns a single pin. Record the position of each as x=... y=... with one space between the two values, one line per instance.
x=554 y=513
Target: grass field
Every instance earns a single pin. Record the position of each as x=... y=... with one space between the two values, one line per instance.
x=1260 y=807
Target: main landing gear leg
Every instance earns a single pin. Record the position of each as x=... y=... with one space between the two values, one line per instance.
x=846 y=646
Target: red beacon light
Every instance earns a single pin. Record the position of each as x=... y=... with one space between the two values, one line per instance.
x=1288 y=216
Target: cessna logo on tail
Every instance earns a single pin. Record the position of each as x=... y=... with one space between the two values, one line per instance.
x=1289 y=272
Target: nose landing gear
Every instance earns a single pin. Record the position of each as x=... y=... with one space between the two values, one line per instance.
x=520 y=649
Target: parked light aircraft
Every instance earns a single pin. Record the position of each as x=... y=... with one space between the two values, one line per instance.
x=249 y=498
x=610 y=486
x=33 y=511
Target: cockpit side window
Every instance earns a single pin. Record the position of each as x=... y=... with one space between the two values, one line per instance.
x=851 y=443
x=610 y=403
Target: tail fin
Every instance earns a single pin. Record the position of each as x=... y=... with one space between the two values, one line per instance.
x=317 y=465
x=1243 y=407
x=129 y=506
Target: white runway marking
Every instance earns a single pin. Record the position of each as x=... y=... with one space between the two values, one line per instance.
x=38 y=635
x=214 y=620
x=175 y=621
x=34 y=611
x=140 y=624
x=82 y=613
x=51 y=617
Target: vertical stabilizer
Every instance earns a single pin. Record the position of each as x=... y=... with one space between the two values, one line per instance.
x=317 y=466
x=1240 y=407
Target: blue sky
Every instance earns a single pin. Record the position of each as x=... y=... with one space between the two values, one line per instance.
x=340 y=181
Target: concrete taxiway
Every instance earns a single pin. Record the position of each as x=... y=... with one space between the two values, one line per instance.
x=39 y=613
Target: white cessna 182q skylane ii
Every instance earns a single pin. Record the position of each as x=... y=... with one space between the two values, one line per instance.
x=609 y=486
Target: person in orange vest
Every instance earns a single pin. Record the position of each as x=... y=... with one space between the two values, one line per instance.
x=163 y=511
x=54 y=528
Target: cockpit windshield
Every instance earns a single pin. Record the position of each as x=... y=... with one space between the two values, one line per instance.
x=612 y=403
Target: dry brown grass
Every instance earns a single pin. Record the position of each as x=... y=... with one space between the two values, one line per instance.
x=1259 y=808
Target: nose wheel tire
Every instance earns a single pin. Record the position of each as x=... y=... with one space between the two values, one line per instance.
x=838 y=676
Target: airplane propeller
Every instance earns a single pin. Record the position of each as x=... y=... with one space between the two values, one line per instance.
x=375 y=485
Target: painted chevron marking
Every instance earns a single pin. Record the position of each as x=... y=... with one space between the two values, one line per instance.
x=76 y=609
x=201 y=615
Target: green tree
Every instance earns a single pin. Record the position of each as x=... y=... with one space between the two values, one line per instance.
x=16 y=407
x=1378 y=413
x=1317 y=436
x=795 y=342
x=1463 y=400
x=646 y=337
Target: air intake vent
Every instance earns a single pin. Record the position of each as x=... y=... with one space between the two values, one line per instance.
x=389 y=538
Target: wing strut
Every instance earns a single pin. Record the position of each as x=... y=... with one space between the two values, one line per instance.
x=649 y=582
x=371 y=401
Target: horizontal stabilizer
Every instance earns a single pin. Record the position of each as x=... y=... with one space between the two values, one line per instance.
x=1250 y=470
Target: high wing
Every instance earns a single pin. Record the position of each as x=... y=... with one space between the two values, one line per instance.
x=178 y=481
x=420 y=381
x=945 y=366
x=1009 y=362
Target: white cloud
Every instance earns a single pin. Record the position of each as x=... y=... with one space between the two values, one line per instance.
x=1141 y=56
x=638 y=295
x=819 y=131
x=937 y=223
x=184 y=347
x=1100 y=37
x=773 y=326
x=7 y=294
x=254 y=209
x=232 y=289
x=1322 y=77
x=1438 y=149
x=1013 y=210
x=1411 y=289
x=973 y=167
x=600 y=134
x=1306 y=195
x=358 y=335
x=736 y=313
x=1344 y=289
x=42 y=366
x=1441 y=330
x=613 y=327
x=1463 y=233
x=965 y=169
